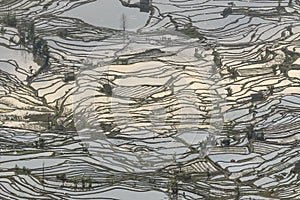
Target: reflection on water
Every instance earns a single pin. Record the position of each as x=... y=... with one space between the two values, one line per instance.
x=200 y=104
x=108 y=13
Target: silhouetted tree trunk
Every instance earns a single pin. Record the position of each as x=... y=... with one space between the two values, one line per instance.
x=123 y=22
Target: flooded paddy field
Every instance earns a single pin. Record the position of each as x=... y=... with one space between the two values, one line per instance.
x=116 y=99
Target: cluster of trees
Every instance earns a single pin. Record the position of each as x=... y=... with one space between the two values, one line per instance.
x=40 y=143
x=86 y=182
x=173 y=187
x=40 y=47
x=283 y=68
x=26 y=30
x=289 y=59
x=191 y=32
x=217 y=59
x=229 y=91
x=9 y=19
x=23 y=170
x=233 y=72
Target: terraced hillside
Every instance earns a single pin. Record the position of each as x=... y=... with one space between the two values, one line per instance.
x=117 y=99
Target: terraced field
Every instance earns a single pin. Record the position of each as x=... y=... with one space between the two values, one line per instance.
x=112 y=99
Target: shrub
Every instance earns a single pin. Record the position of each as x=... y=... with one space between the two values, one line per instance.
x=9 y=19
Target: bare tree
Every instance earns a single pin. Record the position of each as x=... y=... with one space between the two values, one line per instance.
x=123 y=22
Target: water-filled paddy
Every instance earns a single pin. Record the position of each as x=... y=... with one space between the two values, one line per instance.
x=108 y=13
x=194 y=100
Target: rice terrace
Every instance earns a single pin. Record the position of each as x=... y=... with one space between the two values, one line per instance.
x=149 y=99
